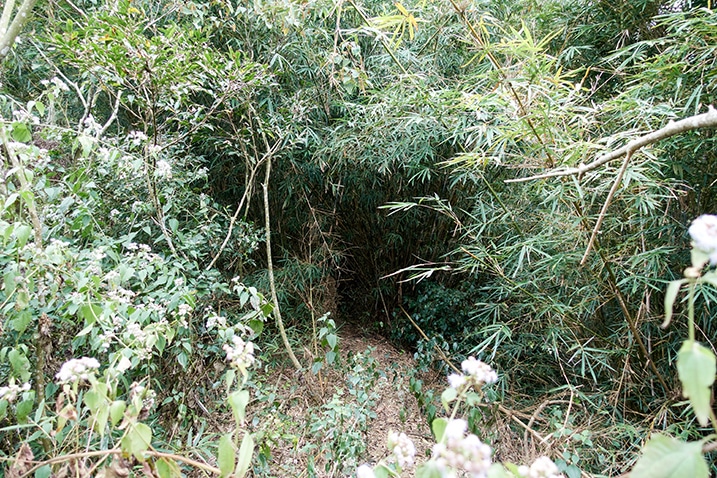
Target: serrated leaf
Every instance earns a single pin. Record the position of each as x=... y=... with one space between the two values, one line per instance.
x=665 y=457
x=137 y=440
x=246 y=450
x=673 y=288
x=226 y=455
x=439 y=427
x=696 y=368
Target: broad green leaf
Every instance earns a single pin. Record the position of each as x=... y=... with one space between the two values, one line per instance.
x=381 y=471
x=696 y=369
x=665 y=457
x=429 y=470
x=43 y=472
x=3 y=408
x=238 y=401
x=137 y=440
x=167 y=468
x=101 y=416
x=256 y=325
x=699 y=258
x=22 y=234
x=23 y=409
x=331 y=339
x=20 y=132
x=439 y=427
x=93 y=400
x=673 y=288
x=117 y=411
x=226 y=455
x=497 y=471
x=448 y=396
x=246 y=450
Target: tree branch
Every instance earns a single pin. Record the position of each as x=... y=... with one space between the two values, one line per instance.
x=21 y=17
x=704 y=120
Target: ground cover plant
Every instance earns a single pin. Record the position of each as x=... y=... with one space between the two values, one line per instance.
x=267 y=239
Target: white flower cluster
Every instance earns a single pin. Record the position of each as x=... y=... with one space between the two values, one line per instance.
x=163 y=169
x=184 y=310
x=704 y=235
x=241 y=354
x=543 y=467
x=365 y=471
x=458 y=451
x=75 y=370
x=215 y=320
x=11 y=391
x=477 y=374
x=136 y=137
x=402 y=447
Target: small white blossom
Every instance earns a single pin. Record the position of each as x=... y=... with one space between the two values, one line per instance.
x=543 y=467
x=403 y=448
x=456 y=380
x=178 y=283
x=704 y=235
x=241 y=354
x=136 y=137
x=365 y=471
x=479 y=372
x=184 y=310
x=75 y=370
x=60 y=84
x=124 y=364
x=459 y=452
x=163 y=169
x=11 y=391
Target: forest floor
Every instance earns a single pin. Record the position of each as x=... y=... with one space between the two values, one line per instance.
x=325 y=425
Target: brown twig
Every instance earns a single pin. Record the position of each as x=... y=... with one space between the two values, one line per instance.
x=704 y=120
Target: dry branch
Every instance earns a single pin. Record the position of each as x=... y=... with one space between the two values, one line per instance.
x=704 y=120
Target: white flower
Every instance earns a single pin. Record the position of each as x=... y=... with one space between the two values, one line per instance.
x=184 y=309
x=480 y=372
x=241 y=354
x=75 y=370
x=163 y=169
x=456 y=380
x=136 y=137
x=459 y=452
x=704 y=235
x=124 y=364
x=543 y=467
x=365 y=471
x=11 y=392
x=402 y=447
x=178 y=282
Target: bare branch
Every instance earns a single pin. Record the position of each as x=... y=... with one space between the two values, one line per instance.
x=21 y=17
x=704 y=120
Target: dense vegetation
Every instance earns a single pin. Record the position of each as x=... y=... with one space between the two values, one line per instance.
x=184 y=181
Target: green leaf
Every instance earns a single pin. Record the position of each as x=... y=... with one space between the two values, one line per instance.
x=665 y=457
x=22 y=234
x=226 y=455
x=439 y=427
x=246 y=450
x=238 y=401
x=673 y=288
x=381 y=471
x=20 y=132
x=256 y=325
x=497 y=471
x=696 y=369
x=43 y=472
x=448 y=396
x=699 y=258
x=167 y=468
x=331 y=339
x=429 y=470
x=137 y=440
x=117 y=411
x=23 y=409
